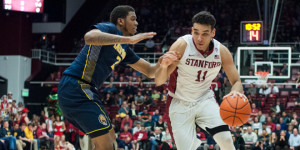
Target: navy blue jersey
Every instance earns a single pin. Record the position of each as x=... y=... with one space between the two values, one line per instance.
x=95 y=63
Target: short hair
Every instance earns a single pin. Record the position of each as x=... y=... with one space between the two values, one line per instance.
x=206 y=18
x=120 y=12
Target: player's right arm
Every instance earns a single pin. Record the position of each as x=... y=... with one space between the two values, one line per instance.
x=167 y=66
x=97 y=37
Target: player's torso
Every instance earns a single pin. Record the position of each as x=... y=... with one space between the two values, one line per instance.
x=195 y=72
x=95 y=63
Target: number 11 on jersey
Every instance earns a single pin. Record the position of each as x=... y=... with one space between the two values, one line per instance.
x=199 y=76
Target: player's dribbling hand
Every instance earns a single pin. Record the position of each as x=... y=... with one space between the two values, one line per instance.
x=141 y=36
x=236 y=93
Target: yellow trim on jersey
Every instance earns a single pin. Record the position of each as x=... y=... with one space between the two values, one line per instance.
x=87 y=57
x=107 y=119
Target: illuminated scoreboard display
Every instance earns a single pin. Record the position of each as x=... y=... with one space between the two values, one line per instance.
x=34 y=6
x=251 y=32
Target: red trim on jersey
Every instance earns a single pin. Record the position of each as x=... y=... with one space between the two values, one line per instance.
x=169 y=99
x=173 y=81
x=204 y=53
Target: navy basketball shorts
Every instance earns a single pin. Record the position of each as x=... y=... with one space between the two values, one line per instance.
x=82 y=107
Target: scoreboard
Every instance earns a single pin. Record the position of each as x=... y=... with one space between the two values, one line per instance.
x=251 y=32
x=34 y=6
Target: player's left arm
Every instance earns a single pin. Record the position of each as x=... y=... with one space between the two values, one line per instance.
x=148 y=69
x=231 y=72
x=145 y=67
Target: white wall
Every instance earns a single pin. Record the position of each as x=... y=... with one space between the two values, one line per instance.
x=16 y=69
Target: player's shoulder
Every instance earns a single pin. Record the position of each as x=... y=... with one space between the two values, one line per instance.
x=107 y=27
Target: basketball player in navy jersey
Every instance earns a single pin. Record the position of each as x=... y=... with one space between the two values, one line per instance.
x=190 y=100
x=106 y=46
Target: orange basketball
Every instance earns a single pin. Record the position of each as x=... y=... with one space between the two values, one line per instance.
x=235 y=111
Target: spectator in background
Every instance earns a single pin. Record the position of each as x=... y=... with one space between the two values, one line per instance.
x=42 y=135
x=199 y=133
x=284 y=69
x=133 y=112
x=294 y=140
x=277 y=108
x=138 y=127
x=256 y=125
x=250 y=137
x=21 y=136
x=166 y=139
x=63 y=144
x=211 y=144
x=273 y=139
x=282 y=124
x=264 y=90
x=155 y=96
x=24 y=117
x=252 y=90
x=50 y=123
x=139 y=138
x=4 y=104
x=29 y=135
x=270 y=124
x=298 y=80
x=254 y=111
x=145 y=114
x=164 y=95
x=126 y=145
x=108 y=100
x=139 y=99
x=160 y=123
x=282 y=142
x=110 y=88
x=274 y=91
x=20 y=145
x=127 y=122
x=261 y=117
x=149 y=124
x=9 y=97
x=239 y=142
x=286 y=119
x=130 y=89
x=6 y=134
x=156 y=115
x=277 y=130
x=123 y=135
x=13 y=108
x=59 y=127
x=264 y=127
x=155 y=139
x=124 y=110
x=141 y=87
x=119 y=98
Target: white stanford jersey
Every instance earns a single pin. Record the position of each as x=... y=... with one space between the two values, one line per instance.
x=192 y=78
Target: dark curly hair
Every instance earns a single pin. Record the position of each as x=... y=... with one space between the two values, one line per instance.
x=120 y=12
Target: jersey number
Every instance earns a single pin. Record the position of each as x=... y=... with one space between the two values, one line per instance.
x=199 y=76
x=118 y=60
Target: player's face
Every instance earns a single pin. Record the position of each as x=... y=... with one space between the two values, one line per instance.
x=131 y=23
x=202 y=35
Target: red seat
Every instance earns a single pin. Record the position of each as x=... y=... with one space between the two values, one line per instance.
x=290 y=104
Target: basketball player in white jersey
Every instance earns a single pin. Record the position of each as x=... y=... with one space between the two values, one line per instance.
x=190 y=98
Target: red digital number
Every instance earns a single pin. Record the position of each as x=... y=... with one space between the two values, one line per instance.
x=199 y=76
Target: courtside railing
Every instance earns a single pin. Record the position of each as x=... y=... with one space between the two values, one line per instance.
x=65 y=59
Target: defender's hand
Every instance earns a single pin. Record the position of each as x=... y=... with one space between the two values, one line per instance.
x=141 y=36
x=169 y=58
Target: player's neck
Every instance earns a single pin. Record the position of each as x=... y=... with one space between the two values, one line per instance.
x=123 y=30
